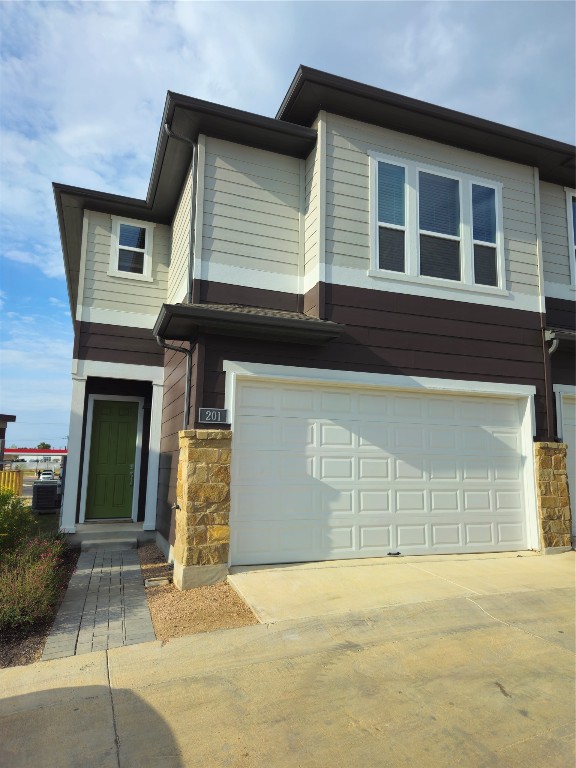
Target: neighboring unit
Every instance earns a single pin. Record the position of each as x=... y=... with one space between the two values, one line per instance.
x=370 y=298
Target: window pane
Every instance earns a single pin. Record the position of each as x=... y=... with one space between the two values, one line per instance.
x=484 y=213
x=485 y=272
x=574 y=216
x=439 y=257
x=439 y=204
x=391 y=194
x=132 y=237
x=391 y=249
x=131 y=261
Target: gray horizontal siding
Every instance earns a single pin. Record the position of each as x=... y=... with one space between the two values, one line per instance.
x=251 y=208
x=105 y=291
x=555 y=245
x=178 y=274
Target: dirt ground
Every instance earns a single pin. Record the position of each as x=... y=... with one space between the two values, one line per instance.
x=176 y=613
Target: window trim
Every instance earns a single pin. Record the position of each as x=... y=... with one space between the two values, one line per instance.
x=570 y=219
x=412 y=227
x=113 y=271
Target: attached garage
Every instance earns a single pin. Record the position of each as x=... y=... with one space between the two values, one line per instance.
x=324 y=472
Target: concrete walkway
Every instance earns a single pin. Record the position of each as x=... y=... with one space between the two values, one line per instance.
x=105 y=606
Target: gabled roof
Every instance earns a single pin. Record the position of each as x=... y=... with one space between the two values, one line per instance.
x=290 y=133
x=186 y=117
x=313 y=90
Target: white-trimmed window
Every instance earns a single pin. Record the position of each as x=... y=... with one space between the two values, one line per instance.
x=432 y=225
x=571 y=211
x=131 y=249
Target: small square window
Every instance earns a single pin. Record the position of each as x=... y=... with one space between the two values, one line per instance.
x=131 y=252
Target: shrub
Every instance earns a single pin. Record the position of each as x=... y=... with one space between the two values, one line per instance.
x=17 y=523
x=31 y=578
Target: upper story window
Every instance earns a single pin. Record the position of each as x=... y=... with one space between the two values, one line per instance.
x=571 y=210
x=434 y=226
x=131 y=249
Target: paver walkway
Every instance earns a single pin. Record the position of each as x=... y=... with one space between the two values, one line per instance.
x=105 y=606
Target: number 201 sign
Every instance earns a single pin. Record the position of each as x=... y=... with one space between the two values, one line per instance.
x=213 y=415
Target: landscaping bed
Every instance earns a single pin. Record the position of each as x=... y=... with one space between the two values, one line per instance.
x=204 y=609
x=35 y=568
x=25 y=645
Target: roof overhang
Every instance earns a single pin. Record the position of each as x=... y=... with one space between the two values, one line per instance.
x=183 y=322
x=187 y=117
x=313 y=90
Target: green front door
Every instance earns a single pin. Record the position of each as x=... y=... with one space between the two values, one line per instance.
x=111 y=481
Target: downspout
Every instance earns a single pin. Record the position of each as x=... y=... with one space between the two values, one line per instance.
x=191 y=247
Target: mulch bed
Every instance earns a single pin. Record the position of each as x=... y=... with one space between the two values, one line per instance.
x=25 y=645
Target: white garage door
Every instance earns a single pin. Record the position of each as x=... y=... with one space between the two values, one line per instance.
x=330 y=473
x=569 y=437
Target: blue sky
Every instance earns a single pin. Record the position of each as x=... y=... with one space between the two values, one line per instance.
x=82 y=89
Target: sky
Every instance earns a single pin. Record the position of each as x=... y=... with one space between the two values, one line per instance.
x=82 y=90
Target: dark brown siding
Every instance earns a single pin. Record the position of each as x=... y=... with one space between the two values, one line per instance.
x=117 y=344
x=562 y=314
x=403 y=335
x=220 y=293
x=172 y=423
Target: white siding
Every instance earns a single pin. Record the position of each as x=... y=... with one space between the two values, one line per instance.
x=251 y=208
x=555 y=248
x=104 y=291
x=347 y=195
x=178 y=273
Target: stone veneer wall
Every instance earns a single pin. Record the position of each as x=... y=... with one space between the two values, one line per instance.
x=202 y=538
x=552 y=495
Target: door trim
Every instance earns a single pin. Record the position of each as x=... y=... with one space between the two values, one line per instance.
x=87 y=446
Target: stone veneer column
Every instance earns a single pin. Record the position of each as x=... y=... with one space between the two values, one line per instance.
x=202 y=520
x=553 y=496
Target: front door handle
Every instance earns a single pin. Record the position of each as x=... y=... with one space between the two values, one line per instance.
x=131 y=475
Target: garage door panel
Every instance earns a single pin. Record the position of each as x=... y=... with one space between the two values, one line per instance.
x=322 y=474
x=373 y=469
x=447 y=535
x=376 y=501
x=375 y=537
x=445 y=501
x=413 y=469
x=480 y=534
x=511 y=534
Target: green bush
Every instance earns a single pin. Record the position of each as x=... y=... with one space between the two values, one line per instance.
x=31 y=578
x=17 y=523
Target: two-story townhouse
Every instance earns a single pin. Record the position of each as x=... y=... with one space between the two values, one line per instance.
x=359 y=285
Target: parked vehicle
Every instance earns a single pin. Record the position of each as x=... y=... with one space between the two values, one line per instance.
x=47 y=474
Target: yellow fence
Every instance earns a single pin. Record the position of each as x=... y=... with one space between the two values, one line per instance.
x=12 y=480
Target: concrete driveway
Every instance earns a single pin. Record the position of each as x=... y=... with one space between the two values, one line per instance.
x=302 y=590
x=475 y=679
